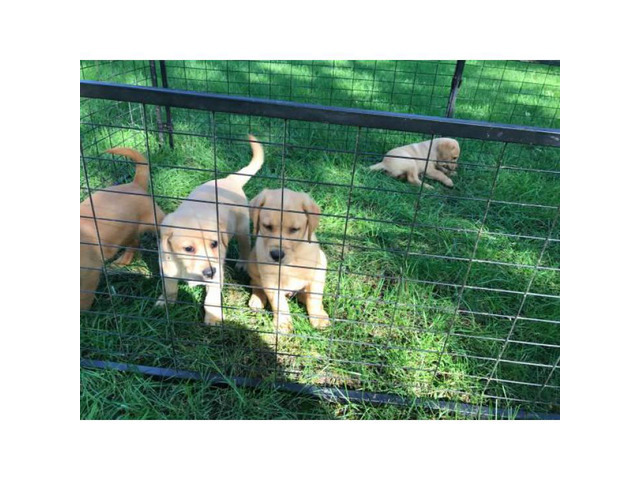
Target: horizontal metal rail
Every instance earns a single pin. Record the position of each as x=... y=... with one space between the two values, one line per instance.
x=235 y=139
x=332 y=394
x=316 y=113
x=314 y=358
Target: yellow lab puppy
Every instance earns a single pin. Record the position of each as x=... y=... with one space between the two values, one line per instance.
x=287 y=249
x=443 y=158
x=128 y=213
x=192 y=247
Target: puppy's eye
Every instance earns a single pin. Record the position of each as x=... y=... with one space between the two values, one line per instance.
x=214 y=244
x=189 y=249
x=268 y=227
x=294 y=229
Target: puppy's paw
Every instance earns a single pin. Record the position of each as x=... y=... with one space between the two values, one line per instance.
x=319 y=319
x=255 y=302
x=426 y=186
x=160 y=303
x=283 y=323
x=213 y=315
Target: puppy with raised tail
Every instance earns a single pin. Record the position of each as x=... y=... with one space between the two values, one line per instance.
x=125 y=212
x=443 y=157
x=287 y=259
x=194 y=238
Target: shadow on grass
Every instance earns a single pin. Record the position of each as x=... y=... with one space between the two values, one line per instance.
x=181 y=348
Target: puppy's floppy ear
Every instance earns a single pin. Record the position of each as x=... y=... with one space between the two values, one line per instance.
x=169 y=267
x=310 y=208
x=444 y=149
x=440 y=146
x=225 y=229
x=254 y=211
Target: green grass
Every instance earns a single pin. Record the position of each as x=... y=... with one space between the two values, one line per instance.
x=116 y=395
x=395 y=309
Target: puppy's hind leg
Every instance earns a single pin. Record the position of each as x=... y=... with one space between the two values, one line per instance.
x=412 y=177
x=244 y=244
x=127 y=257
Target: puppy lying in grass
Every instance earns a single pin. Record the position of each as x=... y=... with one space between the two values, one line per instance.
x=443 y=158
x=193 y=249
x=287 y=249
x=129 y=209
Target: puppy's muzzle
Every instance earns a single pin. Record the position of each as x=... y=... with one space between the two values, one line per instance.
x=209 y=273
x=277 y=255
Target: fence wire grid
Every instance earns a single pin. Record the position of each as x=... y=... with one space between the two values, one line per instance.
x=440 y=295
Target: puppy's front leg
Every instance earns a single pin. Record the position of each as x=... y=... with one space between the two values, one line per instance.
x=213 y=305
x=280 y=306
x=258 y=299
x=439 y=176
x=171 y=289
x=413 y=176
x=312 y=298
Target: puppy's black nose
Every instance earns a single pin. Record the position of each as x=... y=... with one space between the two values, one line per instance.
x=209 y=272
x=277 y=255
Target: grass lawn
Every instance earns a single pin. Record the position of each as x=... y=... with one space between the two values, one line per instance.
x=404 y=323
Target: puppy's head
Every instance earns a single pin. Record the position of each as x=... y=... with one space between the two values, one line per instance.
x=281 y=233
x=191 y=248
x=447 y=153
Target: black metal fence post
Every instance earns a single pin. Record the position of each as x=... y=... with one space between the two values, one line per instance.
x=403 y=122
x=165 y=84
x=455 y=86
x=154 y=83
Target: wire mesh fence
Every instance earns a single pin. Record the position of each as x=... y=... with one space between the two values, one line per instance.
x=432 y=294
x=514 y=92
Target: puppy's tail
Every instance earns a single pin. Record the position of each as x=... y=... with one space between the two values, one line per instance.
x=256 y=162
x=142 y=165
x=377 y=166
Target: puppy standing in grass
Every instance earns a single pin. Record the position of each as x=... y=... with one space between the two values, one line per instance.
x=193 y=249
x=287 y=250
x=129 y=210
x=443 y=158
